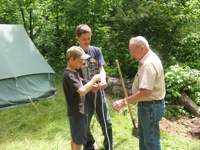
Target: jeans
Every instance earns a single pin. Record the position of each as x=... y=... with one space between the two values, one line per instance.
x=95 y=106
x=149 y=116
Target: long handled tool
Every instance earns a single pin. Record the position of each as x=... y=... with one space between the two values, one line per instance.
x=125 y=94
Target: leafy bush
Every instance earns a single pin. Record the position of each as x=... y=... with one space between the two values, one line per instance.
x=188 y=51
x=181 y=79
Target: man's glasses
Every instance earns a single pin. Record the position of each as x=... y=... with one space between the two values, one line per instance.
x=136 y=49
x=133 y=52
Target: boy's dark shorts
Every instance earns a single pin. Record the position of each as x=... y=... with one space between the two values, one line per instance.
x=78 y=129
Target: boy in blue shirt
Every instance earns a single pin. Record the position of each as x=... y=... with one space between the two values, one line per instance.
x=96 y=98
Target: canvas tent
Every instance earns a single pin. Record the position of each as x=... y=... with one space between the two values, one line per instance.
x=25 y=75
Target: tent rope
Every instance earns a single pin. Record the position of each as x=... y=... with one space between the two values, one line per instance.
x=26 y=94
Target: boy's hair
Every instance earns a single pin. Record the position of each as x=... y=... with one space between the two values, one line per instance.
x=83 y=28
x=71 y=54
x=76 y=52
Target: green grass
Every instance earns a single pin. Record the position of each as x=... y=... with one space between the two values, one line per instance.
x=46 y=128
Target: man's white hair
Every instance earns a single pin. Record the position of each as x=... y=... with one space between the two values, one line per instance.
x=140 y=40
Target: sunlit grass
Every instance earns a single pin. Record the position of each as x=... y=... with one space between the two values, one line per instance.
x=46 y=128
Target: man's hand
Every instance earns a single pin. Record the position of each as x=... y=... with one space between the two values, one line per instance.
x=117 y=105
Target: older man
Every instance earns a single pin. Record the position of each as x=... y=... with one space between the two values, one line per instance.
x=148 y=90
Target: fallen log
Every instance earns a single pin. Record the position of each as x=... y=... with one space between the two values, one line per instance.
x=189 y=104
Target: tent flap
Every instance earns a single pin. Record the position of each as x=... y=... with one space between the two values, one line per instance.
x=25 y=75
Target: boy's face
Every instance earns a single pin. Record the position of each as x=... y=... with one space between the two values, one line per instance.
x=76 y=63
x=84 y=40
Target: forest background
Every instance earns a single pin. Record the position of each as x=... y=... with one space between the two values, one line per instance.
x=172 y=28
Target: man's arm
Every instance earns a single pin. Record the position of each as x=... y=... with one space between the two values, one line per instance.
x=139 y=95
x=136 y=97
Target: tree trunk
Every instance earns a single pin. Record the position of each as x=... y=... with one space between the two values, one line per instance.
x=189 y=104
x=31 y=21
x=22 y=13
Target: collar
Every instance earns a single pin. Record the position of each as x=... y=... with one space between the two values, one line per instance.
x=145 y=57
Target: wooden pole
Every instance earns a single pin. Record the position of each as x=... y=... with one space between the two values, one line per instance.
x=125 y=93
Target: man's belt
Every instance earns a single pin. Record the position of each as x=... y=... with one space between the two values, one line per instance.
x=150 y=102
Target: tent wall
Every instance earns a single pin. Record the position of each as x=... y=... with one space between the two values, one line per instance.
x=18 y=54
x=21 y=90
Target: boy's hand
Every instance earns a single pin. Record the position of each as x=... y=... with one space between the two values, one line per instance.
x=95 y=88
x=103 y=84
x=97 y=77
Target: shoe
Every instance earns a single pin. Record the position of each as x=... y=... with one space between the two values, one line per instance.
x=95 y=146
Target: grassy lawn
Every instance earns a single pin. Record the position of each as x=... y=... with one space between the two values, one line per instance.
x=46 y=128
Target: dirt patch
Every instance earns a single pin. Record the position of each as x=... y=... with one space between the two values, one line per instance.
x=183 y=126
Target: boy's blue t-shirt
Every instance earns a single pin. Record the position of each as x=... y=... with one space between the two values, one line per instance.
x=91 y=66
x=96 y=53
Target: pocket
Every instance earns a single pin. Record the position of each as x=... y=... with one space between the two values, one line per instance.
x=159 y=112
x=146 y=108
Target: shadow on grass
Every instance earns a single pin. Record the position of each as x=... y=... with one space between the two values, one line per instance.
x=120 y=143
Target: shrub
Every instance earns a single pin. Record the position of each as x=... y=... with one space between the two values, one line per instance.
x=182 y=79
x=188 y=51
